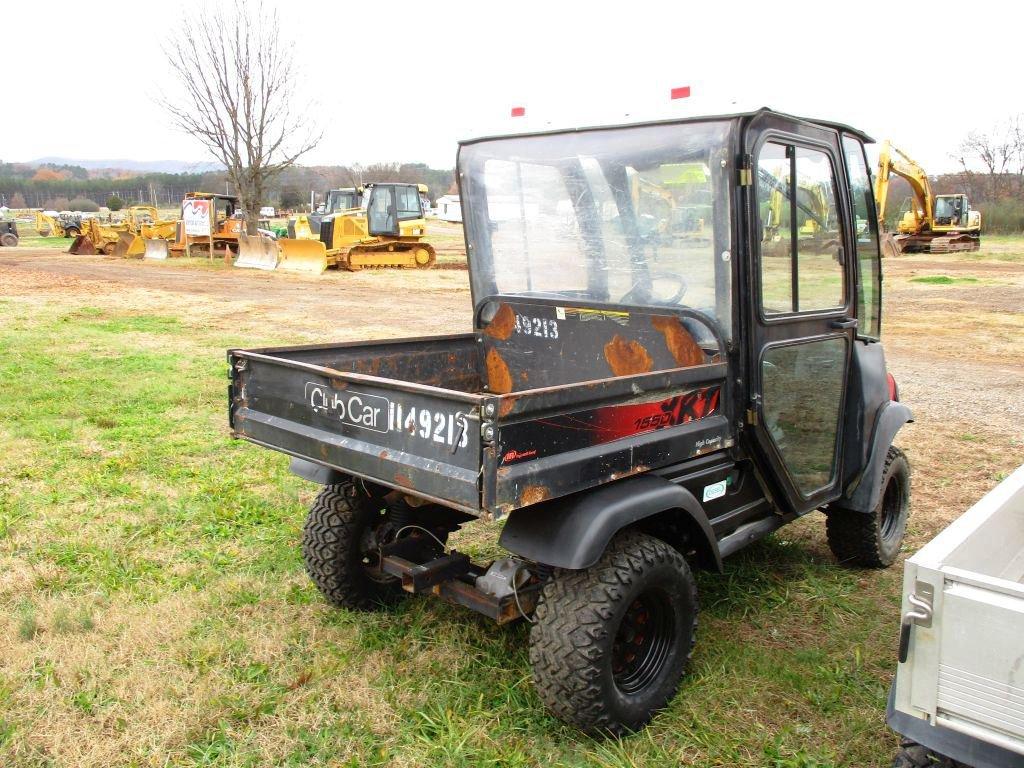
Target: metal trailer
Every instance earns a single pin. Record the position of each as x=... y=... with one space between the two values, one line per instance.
x=959 y=689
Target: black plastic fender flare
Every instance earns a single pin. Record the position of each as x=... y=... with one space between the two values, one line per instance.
x=316 y=473
x=863 y=497
x=573 y=531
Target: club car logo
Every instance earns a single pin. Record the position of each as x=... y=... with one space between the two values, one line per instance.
x=355 y=408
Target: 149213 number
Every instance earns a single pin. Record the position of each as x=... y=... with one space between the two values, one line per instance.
x=536 y=326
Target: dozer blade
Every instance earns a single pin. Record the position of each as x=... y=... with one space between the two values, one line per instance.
x=256 y=252
x=82 y=245
x=309 y=256
x=156 y=249
x=129 y=245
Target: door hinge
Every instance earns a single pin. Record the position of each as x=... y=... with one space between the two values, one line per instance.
x=746 y=172
x=752 y=418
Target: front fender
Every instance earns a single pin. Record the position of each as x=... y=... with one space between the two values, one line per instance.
x=573 y=531
x=862 y=495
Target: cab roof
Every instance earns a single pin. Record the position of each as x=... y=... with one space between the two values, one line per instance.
x=841 y=127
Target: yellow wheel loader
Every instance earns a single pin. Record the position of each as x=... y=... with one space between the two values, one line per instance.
x=142 y=224
x=934 y=223
x=387 y=232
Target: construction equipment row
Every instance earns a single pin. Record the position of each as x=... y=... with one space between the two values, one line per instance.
x=377 y=225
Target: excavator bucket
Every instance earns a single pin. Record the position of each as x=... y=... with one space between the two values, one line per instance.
x=309 y=256
x=129 y=245
x=256 y=252
x=156 y=248
x=82 y=245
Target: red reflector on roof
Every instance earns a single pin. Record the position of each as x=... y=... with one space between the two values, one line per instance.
x=518 y=111
x=681 y=93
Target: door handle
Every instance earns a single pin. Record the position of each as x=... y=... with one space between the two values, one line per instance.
x=844 y=323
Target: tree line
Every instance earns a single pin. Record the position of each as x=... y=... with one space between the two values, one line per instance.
x=290 y=189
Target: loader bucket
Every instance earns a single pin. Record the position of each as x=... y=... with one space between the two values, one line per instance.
x=82 y=245
x=129 y=245
x=156 y=249
x=309 y=256
x=256 y=252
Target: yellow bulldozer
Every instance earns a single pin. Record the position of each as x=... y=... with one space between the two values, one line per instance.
x=386 y=231
x=209 y=223
x=934 y=223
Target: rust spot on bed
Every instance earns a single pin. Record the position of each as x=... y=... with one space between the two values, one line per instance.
x=505 y=406
x=627 y=357
x=533 y=494
x=503 y=324
x=403 y=481
x=499 y=379
x=382 y=455
x=685 y=351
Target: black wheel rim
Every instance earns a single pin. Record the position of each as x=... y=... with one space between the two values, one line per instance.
x=892 y=503
x=643 y=642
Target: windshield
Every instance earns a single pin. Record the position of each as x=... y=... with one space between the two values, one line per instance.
x=635 y=215
x=341 y=200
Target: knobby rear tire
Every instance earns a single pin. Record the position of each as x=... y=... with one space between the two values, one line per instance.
x=338 y=522
x=577 y=640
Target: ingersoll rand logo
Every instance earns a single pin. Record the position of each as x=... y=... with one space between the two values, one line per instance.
x=355 y=408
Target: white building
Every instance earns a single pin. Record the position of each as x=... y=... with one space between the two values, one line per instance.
x=449 y=208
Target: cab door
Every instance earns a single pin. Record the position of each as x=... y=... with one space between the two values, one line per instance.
x=381 y=212
x=801 y=311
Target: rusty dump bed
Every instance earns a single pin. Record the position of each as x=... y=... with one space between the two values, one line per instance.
x=544 y=401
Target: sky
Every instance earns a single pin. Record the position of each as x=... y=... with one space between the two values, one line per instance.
x=404 y=81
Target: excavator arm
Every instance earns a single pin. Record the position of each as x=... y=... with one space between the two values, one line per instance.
x=906 y=168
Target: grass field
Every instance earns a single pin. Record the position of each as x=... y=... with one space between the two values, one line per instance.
x=155 y=609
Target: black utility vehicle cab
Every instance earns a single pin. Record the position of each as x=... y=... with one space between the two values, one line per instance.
x=675 y=352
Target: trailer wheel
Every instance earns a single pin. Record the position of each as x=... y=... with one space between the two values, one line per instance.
x=874 y=539
x=913 y=755
x=340 y=541
x=8 y=239
x=611 y=642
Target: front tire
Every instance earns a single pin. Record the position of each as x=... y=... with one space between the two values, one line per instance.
x=611 y=642
x=873 y=539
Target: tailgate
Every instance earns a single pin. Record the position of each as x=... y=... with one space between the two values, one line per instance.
x=400 y=434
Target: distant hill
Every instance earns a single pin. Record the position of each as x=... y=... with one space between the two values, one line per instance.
x=140 y=166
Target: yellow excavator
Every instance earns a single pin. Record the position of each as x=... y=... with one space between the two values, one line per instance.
x=386 y=231
x=934 y=223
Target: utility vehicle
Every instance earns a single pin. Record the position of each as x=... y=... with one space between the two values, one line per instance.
x=674 y=353
x=958 y=698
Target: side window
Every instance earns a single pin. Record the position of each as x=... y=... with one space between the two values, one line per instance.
x=801 y=240
x=409 y=206
x=869 y=286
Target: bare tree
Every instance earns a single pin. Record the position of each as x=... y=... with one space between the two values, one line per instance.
x=999 y=151
x=238 y=79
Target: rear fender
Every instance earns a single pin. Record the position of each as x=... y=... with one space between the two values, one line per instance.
x=573 y=531
x=316 y=473
x=863 y=494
